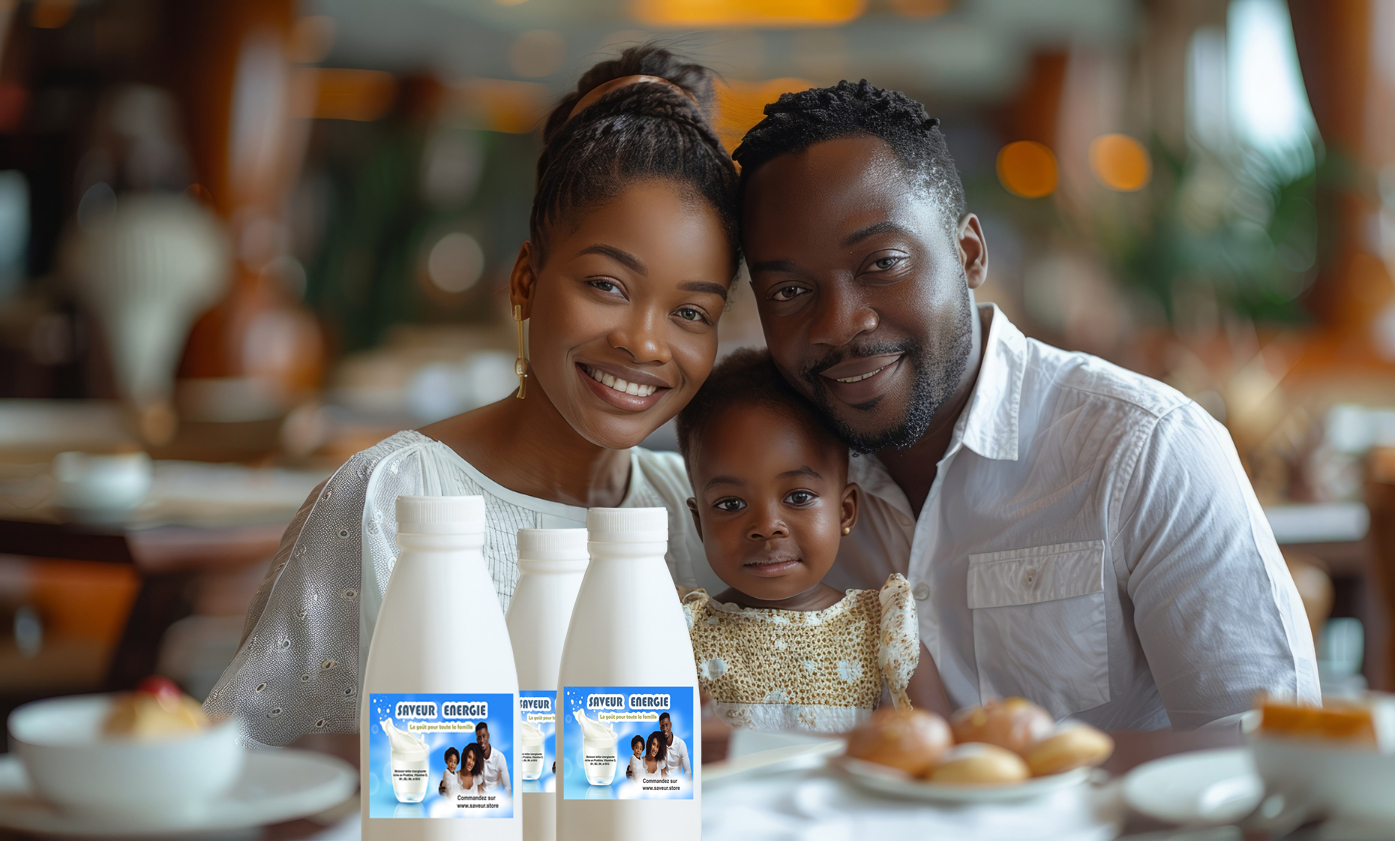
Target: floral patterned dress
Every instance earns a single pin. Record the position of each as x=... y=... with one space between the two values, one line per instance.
x=819 y=671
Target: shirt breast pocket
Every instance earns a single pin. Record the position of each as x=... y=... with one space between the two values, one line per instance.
x=1039 y=625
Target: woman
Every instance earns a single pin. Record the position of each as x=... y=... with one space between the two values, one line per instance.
x=655 y=758
x=471 y=773
x=632 y=249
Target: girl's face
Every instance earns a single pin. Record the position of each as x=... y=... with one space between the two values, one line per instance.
x=638 y=746
x=771 y=500
x=624 y=310
x=451 y=762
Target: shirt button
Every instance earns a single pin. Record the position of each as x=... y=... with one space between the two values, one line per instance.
x=1030 y=577
x=921 y=591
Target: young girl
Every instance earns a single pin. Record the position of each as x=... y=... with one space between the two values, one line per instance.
x=779 y=649
x=636 y=761
x=450 y=781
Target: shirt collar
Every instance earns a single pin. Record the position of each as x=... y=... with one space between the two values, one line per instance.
x=990 y=420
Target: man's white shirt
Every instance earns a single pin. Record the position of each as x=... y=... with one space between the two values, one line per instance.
x=496 y=773
x=1090 y=542
x=677 y=758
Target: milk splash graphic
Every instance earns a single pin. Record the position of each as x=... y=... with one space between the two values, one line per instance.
x=410 y=774
x=597 y=749
x=530 y=750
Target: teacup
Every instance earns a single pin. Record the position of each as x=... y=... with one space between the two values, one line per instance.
x=74 y=765
x=1351 y=784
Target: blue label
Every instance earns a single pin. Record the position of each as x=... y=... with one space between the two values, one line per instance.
x=537 y=766
x=441 y=756
x=627 y=742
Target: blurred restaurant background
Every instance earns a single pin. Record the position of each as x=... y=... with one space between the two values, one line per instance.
x=243 y=239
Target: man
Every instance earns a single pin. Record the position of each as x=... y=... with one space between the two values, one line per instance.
x=1074 y=533
x=496 y=767
x=677 y=755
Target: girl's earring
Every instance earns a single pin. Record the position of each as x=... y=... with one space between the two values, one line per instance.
x=847 y=529
x=520 y=365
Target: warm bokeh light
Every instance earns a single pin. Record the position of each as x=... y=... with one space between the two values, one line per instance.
x=537 y=53
x=717 y=14
x=1120 y=162
x=1027 y=169
x=740 y=105
x=344 y=94
x=501 y=104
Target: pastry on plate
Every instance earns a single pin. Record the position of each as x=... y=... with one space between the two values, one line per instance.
x=910 y=740
x=976 y=763
x=156 y=710
x=1013 y=723
x=1073 y=745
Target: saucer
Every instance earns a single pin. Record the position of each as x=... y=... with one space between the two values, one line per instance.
x=1205 y=788
x=275 y=786
x=884 y=780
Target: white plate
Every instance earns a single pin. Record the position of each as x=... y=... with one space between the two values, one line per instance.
x=880 y=778
x=275 y=786
x=1205 y=788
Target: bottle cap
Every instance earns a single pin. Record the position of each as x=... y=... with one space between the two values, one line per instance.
x=627 y=525
x=552 y=545
x=440 y=514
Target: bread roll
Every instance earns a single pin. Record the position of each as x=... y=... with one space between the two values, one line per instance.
x=1014 y=723
x=974 y=763
x=1073 y=745
x=911 y=740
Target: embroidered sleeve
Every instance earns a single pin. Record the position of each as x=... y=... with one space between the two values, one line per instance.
x=898 y=650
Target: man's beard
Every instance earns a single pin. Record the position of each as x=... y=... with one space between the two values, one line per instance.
x=937 y=367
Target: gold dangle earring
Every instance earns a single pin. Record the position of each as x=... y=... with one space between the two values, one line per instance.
x=520 y=365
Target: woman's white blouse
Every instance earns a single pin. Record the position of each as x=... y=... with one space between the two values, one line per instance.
x=297 y=669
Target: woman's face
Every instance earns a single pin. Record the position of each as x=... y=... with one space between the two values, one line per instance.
x=653 y=748
x=469 y=762
x=624 y=310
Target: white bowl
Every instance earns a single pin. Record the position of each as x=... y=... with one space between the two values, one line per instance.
x=1348 y=783
x=102 y=483
x=73 y=765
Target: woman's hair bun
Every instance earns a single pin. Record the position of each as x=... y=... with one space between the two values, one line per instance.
x=631 y=133
x=645 y=60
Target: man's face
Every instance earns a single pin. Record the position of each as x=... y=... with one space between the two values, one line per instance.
x=666 y=725
x=861 y=287
x=483 y=736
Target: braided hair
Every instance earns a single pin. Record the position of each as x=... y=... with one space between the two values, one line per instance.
x=797 y=121
x=633 y=133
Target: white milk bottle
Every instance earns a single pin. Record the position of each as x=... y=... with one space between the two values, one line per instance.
x=439 y=726
x=551 y=563
x=627 y=671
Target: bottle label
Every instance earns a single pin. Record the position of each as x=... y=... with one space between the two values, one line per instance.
x=441 y=756
x=537 y=740
x=627 y=742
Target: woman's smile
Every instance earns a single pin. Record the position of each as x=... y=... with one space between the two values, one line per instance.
x=627 y=390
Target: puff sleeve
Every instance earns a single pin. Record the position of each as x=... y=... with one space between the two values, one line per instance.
x=898 y=649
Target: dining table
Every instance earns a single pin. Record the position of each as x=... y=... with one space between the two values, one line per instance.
x=812 y=800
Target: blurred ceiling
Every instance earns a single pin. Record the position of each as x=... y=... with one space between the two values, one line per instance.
x=972 y=50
